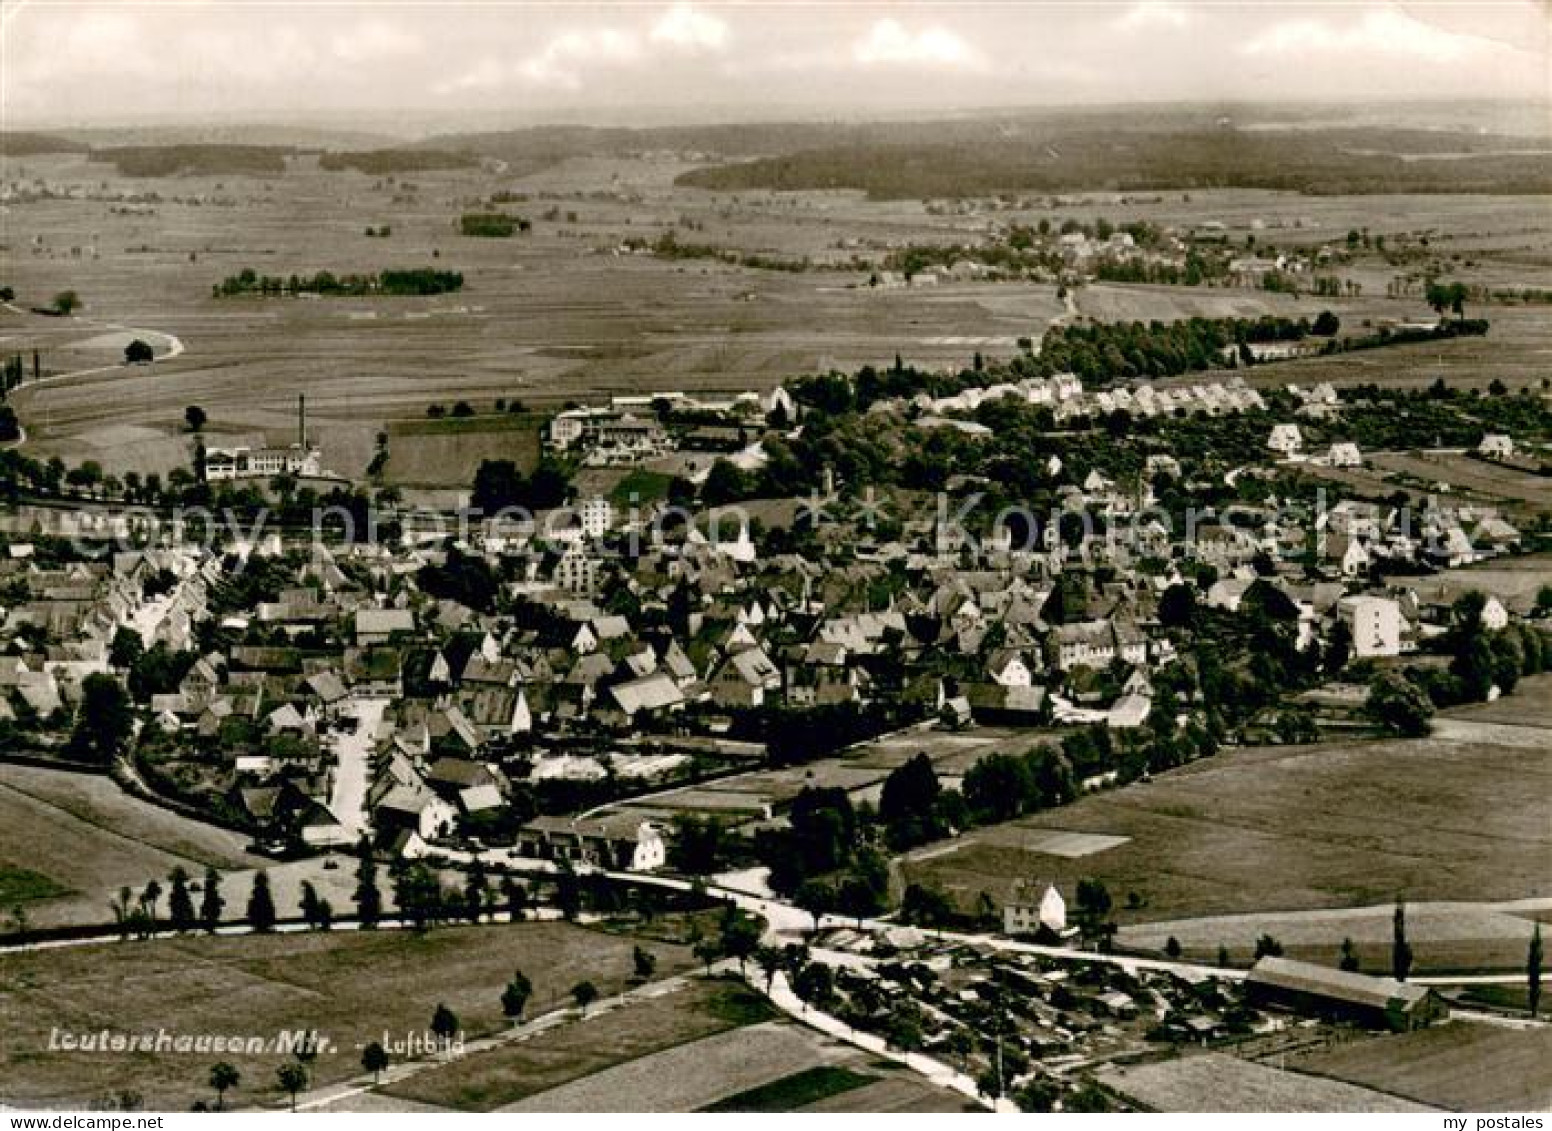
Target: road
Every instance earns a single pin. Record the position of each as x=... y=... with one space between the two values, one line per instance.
x=352 y=773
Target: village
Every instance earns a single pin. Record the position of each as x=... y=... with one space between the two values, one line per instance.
x=707 y=685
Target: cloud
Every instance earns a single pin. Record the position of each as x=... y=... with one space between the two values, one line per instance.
x=1153 y=15
x=887 y=42
x=690 y=29
x=1383 y=32
x=375 y=41
x=567 y=55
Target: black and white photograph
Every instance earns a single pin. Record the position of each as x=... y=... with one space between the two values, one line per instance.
x=810 y=557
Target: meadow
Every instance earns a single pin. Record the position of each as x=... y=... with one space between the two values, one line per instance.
x=1460 y=1067
x=560 y=314
x=1456 y=817
x=351 y=988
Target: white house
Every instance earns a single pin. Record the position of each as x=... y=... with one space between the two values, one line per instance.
x=1375 y=624
x=1009 y=668
x=597 y=515
x=1026 y=912
x=1345 y=455
x=1496 y=445
x=1285 y=439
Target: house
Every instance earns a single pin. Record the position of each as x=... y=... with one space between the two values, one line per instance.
x=743 y=679
x=1375 y=624
x=1380 y=1003
x=1344 y=455
x=1285 y=440
x=1495 y=445
x=1096 y=643
x=651 y=695
x=1031 y=908
x=617 y=842
x=1008 y=667
x=378 y=626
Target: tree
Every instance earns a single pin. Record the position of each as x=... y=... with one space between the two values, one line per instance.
x=104 y=721
x=1400 y=706
x=1172 y=947
x=725 y=483
x=126 y=649
x=1093 y=904
x=374 y=1059
x=707 y=951
x=908 y=803
x=923 y=906
x=180 y=905
x=195 y=418
x=1400 y=949
x=138 y=352
x=292 y=1079
x=1349 y=960
x=770 y=960
x=1177 y=607
x=369 y=899
x=223 y=1076
x=444 y=1022
x=514 y=999
x=1533 y=972
x=261 y=904
x=67 y=303
x=1039 y=1095
x=1268 y=947
x=740 y=936
x=645 y=962
x=418 y=895
x=312 y=906
x=1326 y=324
x=210 y=902
x=584 y=994
x=476 y=888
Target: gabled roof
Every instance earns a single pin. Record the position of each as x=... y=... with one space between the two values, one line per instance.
x=1340 y=985
x=649 y=693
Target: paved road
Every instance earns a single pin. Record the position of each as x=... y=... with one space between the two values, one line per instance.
x=353 y=751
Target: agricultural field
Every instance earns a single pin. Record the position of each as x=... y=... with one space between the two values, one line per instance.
x=1472 y=477
x=559 y=313
x=351 y=987
x=1454 y=818
x=700 y=1044
x=1217 y=1082
x=1459 y=1067
x=73 y=840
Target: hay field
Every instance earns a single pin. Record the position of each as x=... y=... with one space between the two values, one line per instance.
x=351 y=987
x=1459 y=816
x=1218 y=1082
x=1459 y=1066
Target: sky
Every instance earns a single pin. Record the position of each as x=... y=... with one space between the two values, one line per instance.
x=113 y=61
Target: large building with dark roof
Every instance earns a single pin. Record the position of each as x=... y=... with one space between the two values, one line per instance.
x=1381 y=1003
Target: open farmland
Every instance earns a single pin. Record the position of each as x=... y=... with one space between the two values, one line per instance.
x=351 y=987
x=1471 y=476
x=85 y=838
x=544 y=317
x=701 y=1043
x=1461 y=1066
x=559 y=314
x=1216 y=1082
x=73 y=840
x=1459 y=816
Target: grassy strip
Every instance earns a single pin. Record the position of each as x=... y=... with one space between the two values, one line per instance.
x=19 y=885
x=796 y=1091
